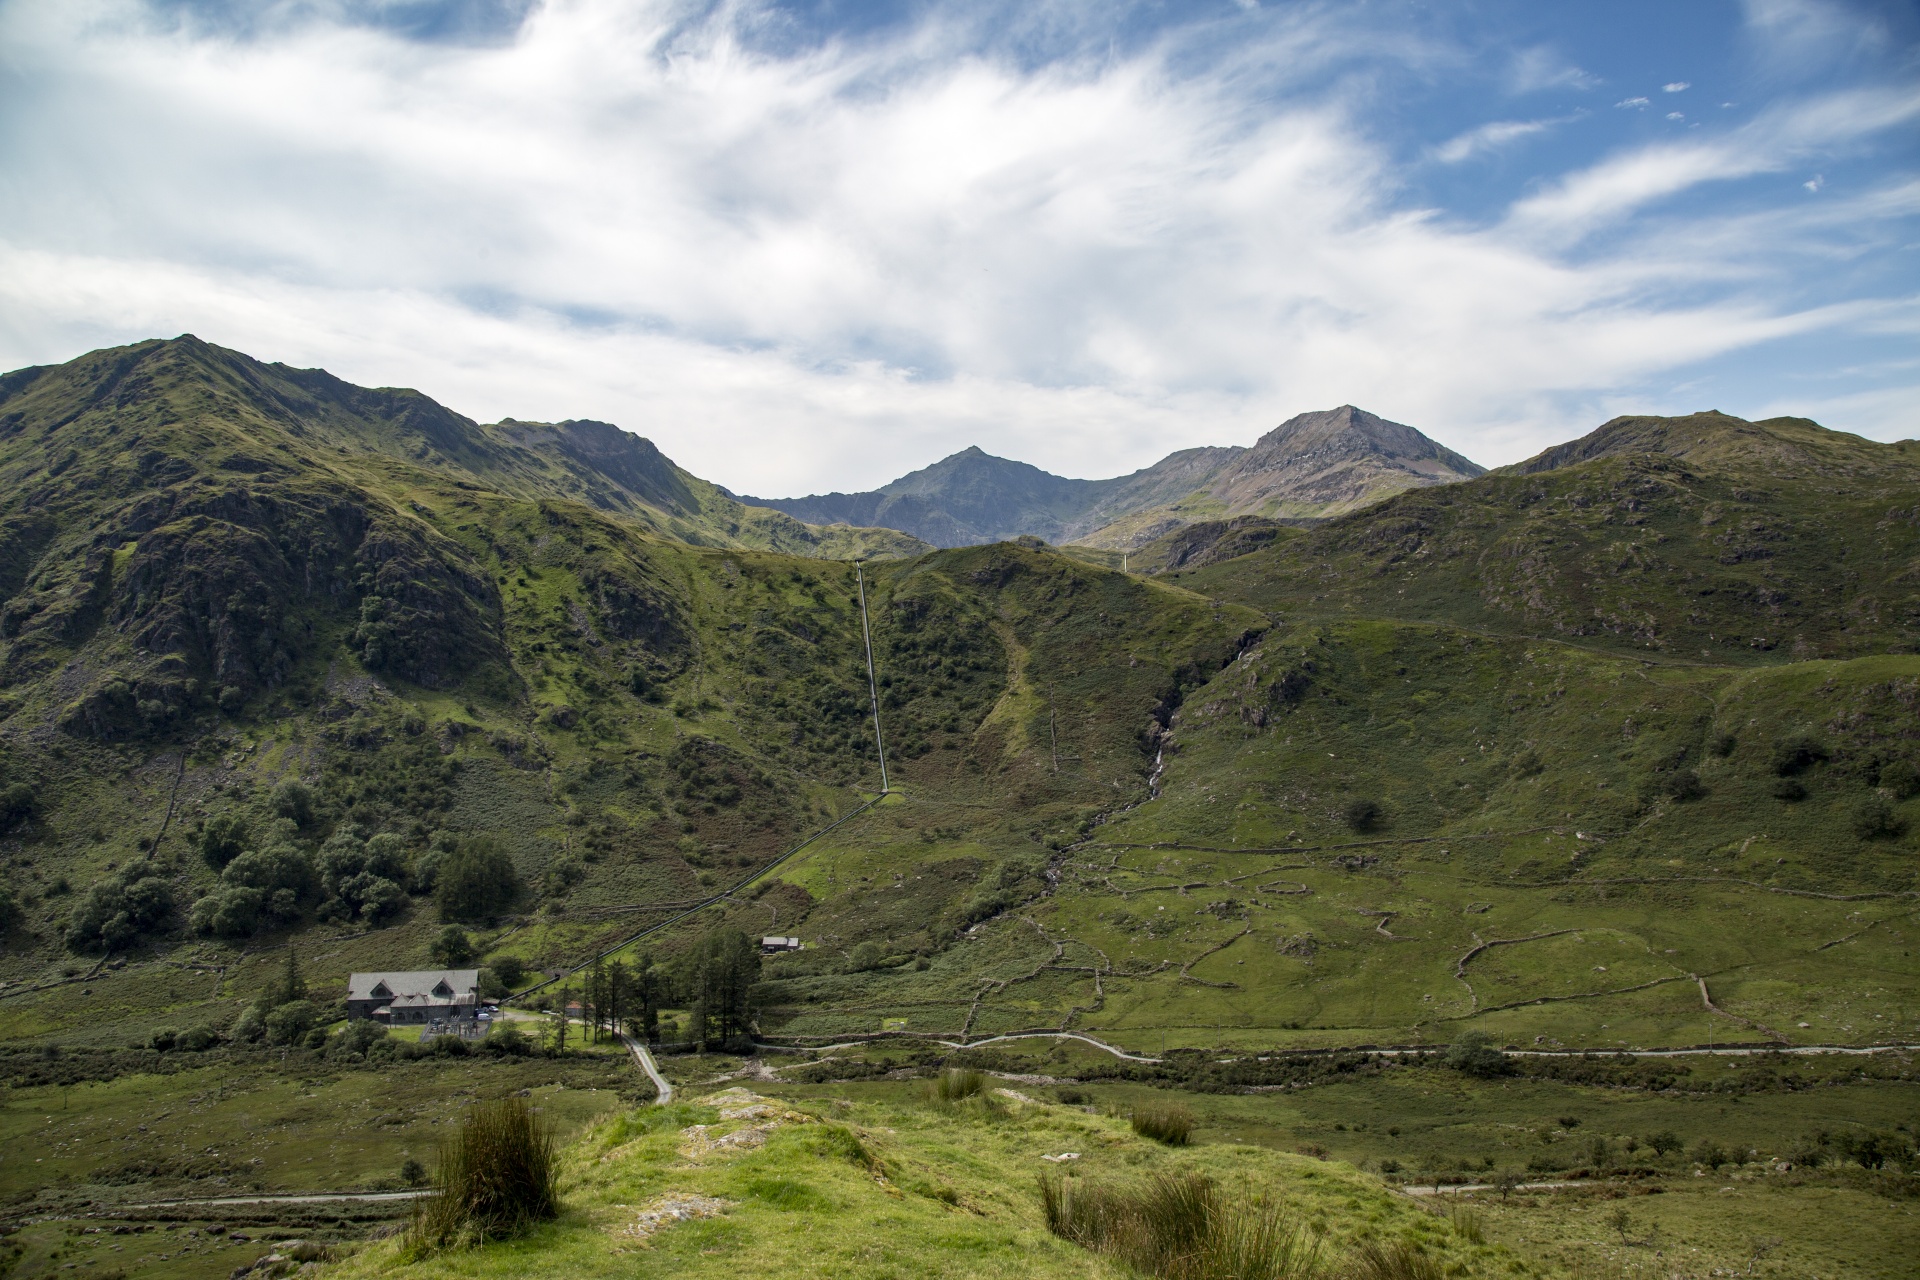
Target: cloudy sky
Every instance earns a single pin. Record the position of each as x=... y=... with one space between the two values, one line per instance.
x=814 y=244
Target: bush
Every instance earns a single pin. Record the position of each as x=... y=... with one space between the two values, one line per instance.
x=475 y=881
x=452 y=948
x=17 y=805
x=511 y=970
x=1684 y=785
x=1179 y=1227
x=1797 y=753
x=363 y=879
x=260 y=889
x=223 y=839
x=1474 y=1054
x=291 y=1021
x=1900 y=778
x=1792 y=790
x=119 y=909
x=197 y=1039
x=1874 y=819
x=496 y=1178
x=293 y=801
x=1364 y=814
x=1169 y=1123
x=1663 y=1142
x=1710 y=1153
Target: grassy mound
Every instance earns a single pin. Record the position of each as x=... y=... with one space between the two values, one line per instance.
x=739 y=1185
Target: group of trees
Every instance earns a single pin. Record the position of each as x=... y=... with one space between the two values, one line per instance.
x=271 y=879
x=714 y=982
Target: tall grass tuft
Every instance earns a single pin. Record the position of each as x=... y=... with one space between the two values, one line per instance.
x=1170 y=1123
x=956 y=1084
x=1177 y=1226
x=496 y=1178
x=1396 y=1261
x=1468 y=1222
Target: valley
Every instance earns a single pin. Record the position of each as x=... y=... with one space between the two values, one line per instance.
x=1610 y=752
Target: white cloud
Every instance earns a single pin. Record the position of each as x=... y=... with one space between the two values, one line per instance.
x=1678 y=86
x=1815 y=183
x=1632 y=102
x=818 y=269
x=1491 y=137
x=1773 y=141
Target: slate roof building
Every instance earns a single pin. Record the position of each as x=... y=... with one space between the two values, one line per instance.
x=414 y=996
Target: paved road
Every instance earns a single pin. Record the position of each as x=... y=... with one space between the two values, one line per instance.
x=314 y=1198
x=644 y=1060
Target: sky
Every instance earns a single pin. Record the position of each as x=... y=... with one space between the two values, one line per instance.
x=813 y=245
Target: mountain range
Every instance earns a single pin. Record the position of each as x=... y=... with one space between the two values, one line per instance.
x=1311 y=467
x=1613 y=749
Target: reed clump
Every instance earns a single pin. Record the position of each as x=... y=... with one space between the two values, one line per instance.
x=1396 y=1261
x=1169 y=1123
x=1177 y=1226
x=956 y=1084
x=496 y=1177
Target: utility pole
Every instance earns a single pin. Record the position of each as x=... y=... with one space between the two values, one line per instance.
x=873 y=685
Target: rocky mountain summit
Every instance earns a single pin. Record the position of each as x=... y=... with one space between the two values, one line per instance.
x=1309 y=468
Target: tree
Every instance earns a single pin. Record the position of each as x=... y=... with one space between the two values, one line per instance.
x=293 y=801
x=223 y=839
x=293 y=983
x=1873 y=818
x=17 y=805
x=1664 y=1141
x=1474 y=1054
x=475 y=881
x=119 y=909
x=452 y=948
x=511 y=970
x=362 y=879
x=1364 y=814
x=723 y=966
x=645 y=999
x=260 y=889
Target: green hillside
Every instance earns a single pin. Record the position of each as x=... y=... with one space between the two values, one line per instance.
x=1706 y=538
x=1614 y=751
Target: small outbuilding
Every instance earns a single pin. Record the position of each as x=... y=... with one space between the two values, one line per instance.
x=769 y=946
x=414 y=996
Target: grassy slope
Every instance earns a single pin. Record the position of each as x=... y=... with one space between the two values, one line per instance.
x=948 y=1191
x=661 y=719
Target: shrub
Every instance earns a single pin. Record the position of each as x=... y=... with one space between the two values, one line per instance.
x=1474 y=1054
x=1364 y=814
x=511 y=970
x=259 y=889
x=1684 y=785
x=475 y=881
x=17 y=805
x=497 y=1177
x=223 y=839
x=955 y=1084
x=197 y=1039
x=1792 y=790
x=1900 y=778
x=293 y=801
x=1177 y=1226
x=362 y=879
x=1710 y=1153
x=291 y=1021
x=1796 y=753
x=1663 y=1142
x=1169 y=1123
x=452 y=948
x=119 y=909
x=412 y=1172
x=1874 y=819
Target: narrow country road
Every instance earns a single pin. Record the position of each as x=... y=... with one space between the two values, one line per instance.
x=644 y=1060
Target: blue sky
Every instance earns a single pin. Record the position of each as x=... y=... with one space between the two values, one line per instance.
x=815 y=245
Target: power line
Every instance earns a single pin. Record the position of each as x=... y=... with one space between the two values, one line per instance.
x=873 y=686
